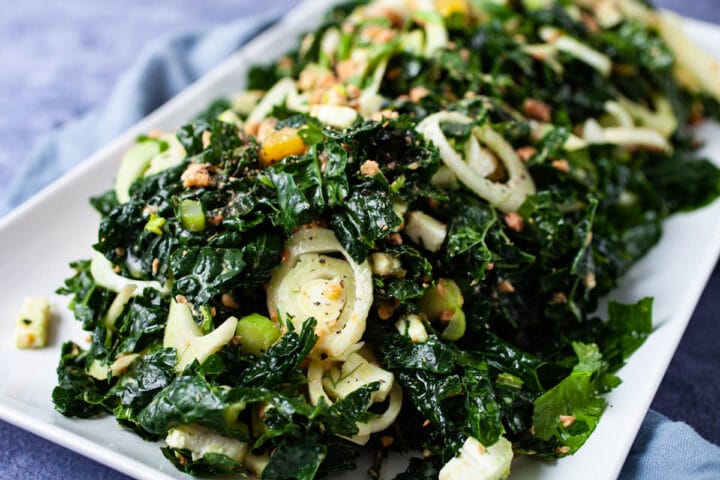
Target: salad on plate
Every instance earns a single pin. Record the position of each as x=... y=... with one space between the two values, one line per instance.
x=395 y=239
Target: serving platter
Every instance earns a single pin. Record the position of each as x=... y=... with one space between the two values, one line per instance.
x=39 y=239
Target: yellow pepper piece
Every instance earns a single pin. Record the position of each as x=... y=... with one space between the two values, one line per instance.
x=448 y=7
x=280 y=144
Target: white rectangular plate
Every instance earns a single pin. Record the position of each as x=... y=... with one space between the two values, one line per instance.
x=39 y=239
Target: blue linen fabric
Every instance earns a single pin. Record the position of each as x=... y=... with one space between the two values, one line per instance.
x=663 y=449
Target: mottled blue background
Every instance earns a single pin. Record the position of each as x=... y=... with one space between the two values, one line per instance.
x=60 y=58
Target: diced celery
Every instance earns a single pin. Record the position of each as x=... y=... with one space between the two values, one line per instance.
x=257 y=333
x=192 y=215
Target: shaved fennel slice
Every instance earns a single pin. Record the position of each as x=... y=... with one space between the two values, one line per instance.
x=316 y=388
x=661 y=118
x=695 y=68
x=284 y=91
x=183 y=334
x=506 y=196
x=565 y=43
x=102 y=271
x=637 y=137
x=346 y=301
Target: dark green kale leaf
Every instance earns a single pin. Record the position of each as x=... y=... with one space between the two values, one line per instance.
x=142 y=323
x=627 y=328
x=201 y=273
x=89 y=301
x=412 y=285
x=299 y=189
x=684 y=184
x=335 y=181
x=104 y=203
x=575 y=396
x=77 y=394
x=340 y=418
x=145 y=378
x=191 y=399
x=208 y=464
x=434 y=355
x=436 y=397
x=633 y=43
x=468 y=237
x=484 y=412
x=420 y=469
x=295 y=459
x=366 y=216
x=282 y=359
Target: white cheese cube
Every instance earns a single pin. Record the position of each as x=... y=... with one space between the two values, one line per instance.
x=31 y=330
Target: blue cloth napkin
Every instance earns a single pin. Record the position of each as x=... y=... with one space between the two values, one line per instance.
x=662 y=450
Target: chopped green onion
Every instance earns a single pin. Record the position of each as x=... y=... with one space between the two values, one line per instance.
x=155 y=224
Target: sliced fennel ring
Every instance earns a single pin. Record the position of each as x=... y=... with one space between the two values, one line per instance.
x=507 y=196
x=328 y=383
x=337 y=292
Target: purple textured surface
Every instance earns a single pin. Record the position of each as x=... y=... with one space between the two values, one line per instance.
x=61 y=58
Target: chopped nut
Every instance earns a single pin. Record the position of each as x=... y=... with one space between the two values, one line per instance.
x=307 y=79
x=228 y=301
x=514 y=221
x=526 y=153
x=377 y=34
x=394 y=239
x=418 y=93
x=387 y=440
x=181 y=299
x=446 y=315
x=561 y=165
x=286 y=63
x=506 y=287
x=426 y=423
x=349 y=68
x=564 y=450
x=265 y=129
x=590 y=281
x=590 y=22
x=370 y=168
x=353 y=91
x=559 y=298
x=155 y=266
x=489 y=266
x=251 y=127
x=206 y=135
x=567 y=420
x=384 y=115
x=386 y=309
x=537 y=109
x=197 y=175
x=216 y=219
